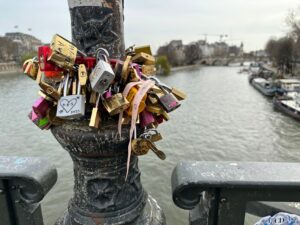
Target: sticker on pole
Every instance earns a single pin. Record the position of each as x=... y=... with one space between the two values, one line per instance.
x=280 y=219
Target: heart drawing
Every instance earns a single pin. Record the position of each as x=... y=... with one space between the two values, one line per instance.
x=68 y=105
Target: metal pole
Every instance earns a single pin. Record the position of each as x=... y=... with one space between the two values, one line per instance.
x=101 y=194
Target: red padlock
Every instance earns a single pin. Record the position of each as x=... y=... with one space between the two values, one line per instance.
x=89 y=62
x=49 y=68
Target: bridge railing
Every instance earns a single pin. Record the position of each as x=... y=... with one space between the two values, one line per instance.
x=220 y=193
x=23 y=184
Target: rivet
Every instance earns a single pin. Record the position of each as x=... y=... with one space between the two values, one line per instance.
x=223 y=200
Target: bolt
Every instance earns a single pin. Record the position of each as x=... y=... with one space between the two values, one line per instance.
x=223 y=200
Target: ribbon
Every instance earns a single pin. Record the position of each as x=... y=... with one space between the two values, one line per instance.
x=144 y=88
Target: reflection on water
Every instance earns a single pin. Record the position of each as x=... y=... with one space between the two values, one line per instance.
x=223 y=119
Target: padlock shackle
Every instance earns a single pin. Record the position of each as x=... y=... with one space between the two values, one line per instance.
x=78 y=86
x=66 y=85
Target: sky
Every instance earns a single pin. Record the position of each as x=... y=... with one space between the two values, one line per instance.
x=156 y=22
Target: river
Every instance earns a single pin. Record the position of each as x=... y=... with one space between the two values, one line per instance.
x=223 y=119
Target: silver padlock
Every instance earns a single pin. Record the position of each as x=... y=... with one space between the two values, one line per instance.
x=71 y=106
x=102 y=75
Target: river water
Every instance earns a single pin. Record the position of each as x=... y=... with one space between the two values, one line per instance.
x=223 y=119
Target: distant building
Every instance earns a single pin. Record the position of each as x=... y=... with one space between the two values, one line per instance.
x=25 y=43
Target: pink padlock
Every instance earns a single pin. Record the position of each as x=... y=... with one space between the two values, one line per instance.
x=41 y=122
x=40 y=107
x=146 y=118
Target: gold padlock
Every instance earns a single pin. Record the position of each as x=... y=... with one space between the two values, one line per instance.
x=143 y=49
x=53 y=120
x=130 y=97
x=115 y=104
x=125 y=70
x=95 y=119
x=82 y=75
x=63 y=52
x=180 y=95
x=143 y=58
x=50 y=91
x=148 y=70
x=93 y=98
x=31 y=68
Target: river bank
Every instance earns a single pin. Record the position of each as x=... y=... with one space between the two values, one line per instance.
x=10 y=67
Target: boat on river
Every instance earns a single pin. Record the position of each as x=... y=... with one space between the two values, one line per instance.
x=288 y=105
x=285 y=86
x=264 y=86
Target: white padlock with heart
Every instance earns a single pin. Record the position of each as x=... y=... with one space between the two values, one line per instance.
x=71 y=106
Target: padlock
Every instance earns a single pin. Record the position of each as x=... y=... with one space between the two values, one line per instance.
x=116 y=104
x=169 y=102
x=49 y=90
x=63 y=53
x=45 y=96
x=82 y=74
x=95 y=119
x=41 y=122
x=49 y=68
x=134 y=77
x=148 y=70
x=130 y=97
x=180 y=95
x=152 y=135
x=72 y=106
x=40 y=107
x=31 y=68
x=93 y=98
x=155 y=109
x=146 y=118
x=143 y=49
x=125 y=70
x=53 y=119
x=101 y=77
x=89 y=62
x=143 y=58
x=141 y=146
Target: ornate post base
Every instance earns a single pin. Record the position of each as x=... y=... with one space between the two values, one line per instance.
x=101 y=194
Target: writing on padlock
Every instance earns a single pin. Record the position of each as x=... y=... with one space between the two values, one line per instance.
x=72 y=106
x=63 y=53
x=115 y=104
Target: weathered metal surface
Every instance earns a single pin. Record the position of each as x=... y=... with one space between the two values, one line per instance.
x=101 y=194
x=98 y=23
x=223 y=189
x=24 y=181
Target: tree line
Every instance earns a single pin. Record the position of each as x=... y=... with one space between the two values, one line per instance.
x=284 y=52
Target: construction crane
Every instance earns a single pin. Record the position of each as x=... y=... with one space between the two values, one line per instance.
x=221 y=36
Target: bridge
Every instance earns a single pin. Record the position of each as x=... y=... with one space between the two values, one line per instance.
x=226 y=61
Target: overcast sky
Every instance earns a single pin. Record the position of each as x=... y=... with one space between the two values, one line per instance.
x=156 y=22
